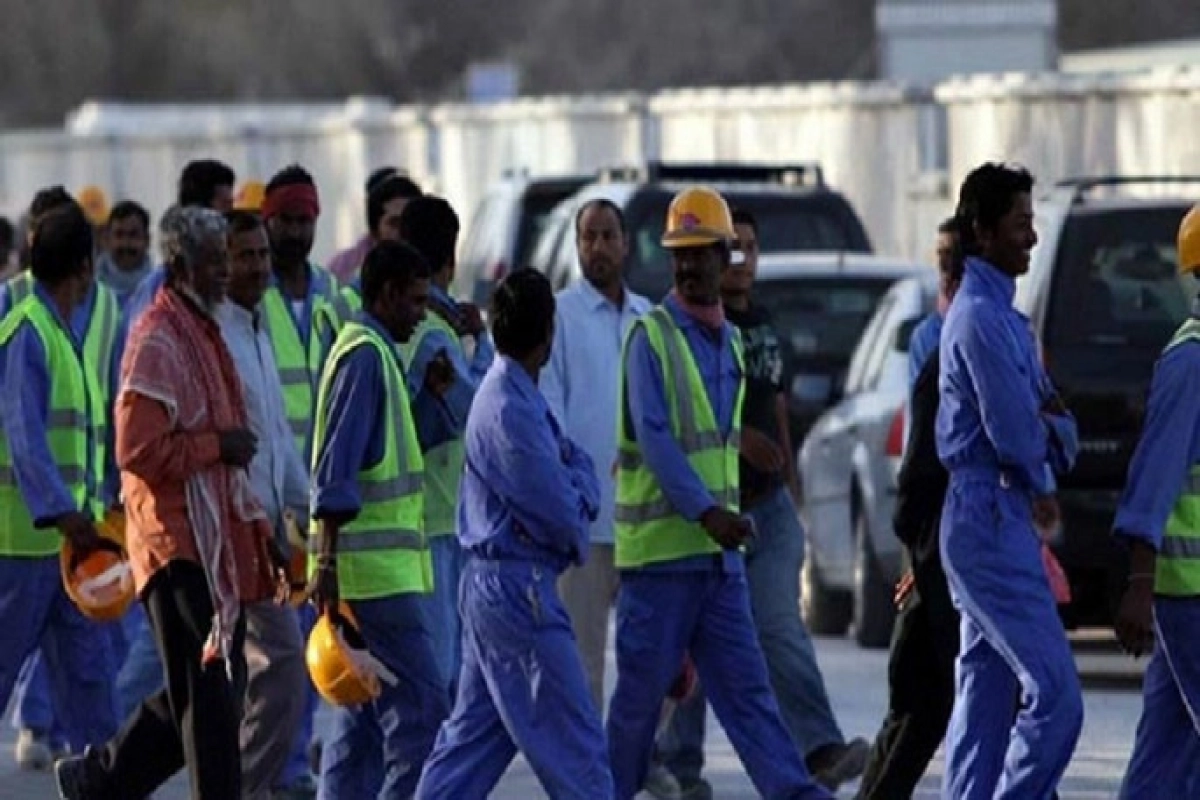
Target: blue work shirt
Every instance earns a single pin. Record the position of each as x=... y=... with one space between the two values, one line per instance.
x=650 y=417
x=1169 y=446
x=356 y=424
x=528 y=492
x=992 y=385
x=458 y=397
x=924 y=340
x=25 y=415
x=581 y=381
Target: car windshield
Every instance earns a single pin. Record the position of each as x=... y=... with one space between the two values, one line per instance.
x=1116 y=282
x=535 y=213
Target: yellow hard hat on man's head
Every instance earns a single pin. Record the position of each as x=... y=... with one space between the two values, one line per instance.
x=250 y=196
x=698 y=217
x=94 y=202
x=1189 y=241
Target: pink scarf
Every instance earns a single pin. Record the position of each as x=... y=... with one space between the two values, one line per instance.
x=711 y=317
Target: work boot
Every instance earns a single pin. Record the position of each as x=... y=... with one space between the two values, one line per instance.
x=33 y=751
x=835 y=764
x=79 y=777
x=661 y=784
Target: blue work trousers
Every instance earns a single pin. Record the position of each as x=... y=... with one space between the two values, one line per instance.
x=1011 y=639
x=522 y=687
x=35 y=610
x=442 y=606
x=662 y=614
x=377 y=750
x=773 y=562
x=1166 y=752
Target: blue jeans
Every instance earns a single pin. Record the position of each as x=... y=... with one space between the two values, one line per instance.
x=78 y=653
x=773 y=561
x=378 y=749
x=442 y=606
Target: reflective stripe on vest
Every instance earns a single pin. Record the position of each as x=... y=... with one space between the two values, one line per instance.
x=444 y=463
x=648 y=529
x=74 y=441
x=382 y=552
x=1177 y=569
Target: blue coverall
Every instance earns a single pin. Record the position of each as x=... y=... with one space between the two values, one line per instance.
x=1166 y=752
x=447 y=553
x=699 y=604
x=997 y=445
x=78 y=654
x=527 y=498
x=376 y=749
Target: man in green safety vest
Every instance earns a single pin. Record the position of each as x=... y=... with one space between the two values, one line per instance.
x=678 y=531
x=367 y=545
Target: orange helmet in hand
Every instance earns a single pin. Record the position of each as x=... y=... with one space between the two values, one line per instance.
x=101 y=583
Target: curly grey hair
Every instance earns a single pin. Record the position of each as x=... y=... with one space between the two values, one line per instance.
x=189 y=234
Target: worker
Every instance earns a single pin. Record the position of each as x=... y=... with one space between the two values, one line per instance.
x=528 y=497
x=367 y=547
x=440 y=344
x=1158 y=520
x=383 y=214
x=127 y=261
x=678 y=530
x=768 y=484
x=998 y=435
x=40 y=731
x=53 y=453
x=928 y=333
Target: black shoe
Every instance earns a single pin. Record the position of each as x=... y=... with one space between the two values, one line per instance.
x=835 y=764
x=78 y=777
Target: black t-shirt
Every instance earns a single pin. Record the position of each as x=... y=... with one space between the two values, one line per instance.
x=764 y=382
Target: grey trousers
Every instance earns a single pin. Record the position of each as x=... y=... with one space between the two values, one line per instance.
x=588 y=593
x=276 y=690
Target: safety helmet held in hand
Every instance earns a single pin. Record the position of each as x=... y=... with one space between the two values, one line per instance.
x=697 y=217
x=1189 y=241
x=101 y=583
x=342 y=669
x=250 y=196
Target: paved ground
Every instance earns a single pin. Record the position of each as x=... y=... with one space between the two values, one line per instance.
x=857 y=686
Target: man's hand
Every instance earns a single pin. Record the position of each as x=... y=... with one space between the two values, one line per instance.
x=1046 y=514
x=471 y=319
x=279 y=569
x=1135 y=617
x=439 y=374
x=726 y=528
x=80 y=530
x=905 y=589
x=763 y=454
x=238 y=447
x=323 y=588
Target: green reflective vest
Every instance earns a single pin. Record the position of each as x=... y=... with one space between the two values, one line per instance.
x=301 y=358
x=648 y=529
x=382 y=552
x=1177 y=570
x=352 y=298
x=444 y=463
x=74 y=422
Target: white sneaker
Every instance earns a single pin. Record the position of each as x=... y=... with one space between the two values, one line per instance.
x=32 y=751
x=661 y=784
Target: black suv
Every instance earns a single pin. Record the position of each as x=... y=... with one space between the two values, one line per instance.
x=795 y=209
x=1104 y=296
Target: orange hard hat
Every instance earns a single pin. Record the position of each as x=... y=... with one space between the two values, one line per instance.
x=94 y=203
x=1189 y=241
x=342 y=669
x=697 y=217
x=250 y=196
x=101 y=583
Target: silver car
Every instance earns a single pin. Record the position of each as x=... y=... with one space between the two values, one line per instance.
x=848 y=465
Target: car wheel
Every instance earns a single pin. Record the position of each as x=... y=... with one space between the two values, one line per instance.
x=874 y=609
x=826 y=611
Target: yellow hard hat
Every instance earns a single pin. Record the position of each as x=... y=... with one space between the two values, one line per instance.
x=342 y=669
x=1189 y=241
x=697 y=217
x=250 y=196
x=94 y=202
x=101 y=584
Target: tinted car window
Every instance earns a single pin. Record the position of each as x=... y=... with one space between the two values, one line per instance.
x=1115 y=281
x=535 y=216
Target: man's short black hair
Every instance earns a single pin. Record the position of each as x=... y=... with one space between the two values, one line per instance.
x=199 y=181
x=62 y=244
x=292 y=175
x=430 y=225
x=743 y=217
x=949 y=225
x=8 y=234
x=241 y=221
x=384 y=192
x=987 y=194
x=600 y=202
x=379 y=176
x=389 y=263
x=522 y=313
x=130 y=208
x=46 y=200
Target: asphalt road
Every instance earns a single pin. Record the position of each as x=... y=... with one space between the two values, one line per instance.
x=857 y=686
